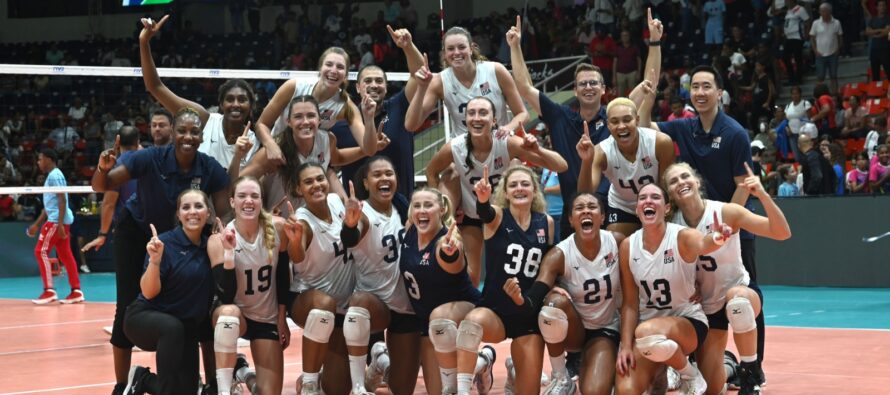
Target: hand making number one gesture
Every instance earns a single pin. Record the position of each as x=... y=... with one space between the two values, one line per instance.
x=483 y=187
x=449 y=242
x=109 y=157
x=585 y=146
x=155 y=247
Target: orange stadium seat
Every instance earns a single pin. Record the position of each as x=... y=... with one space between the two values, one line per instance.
x=877 y=106
x=853 y=89
x=877 y=89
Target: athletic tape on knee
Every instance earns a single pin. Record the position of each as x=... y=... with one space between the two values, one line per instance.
x=443 y=335
x=225 y=334
x=469 y=336
x=657 y=348
x=554 y=324
x=741 y=315
x=357 y=327
x=319 y=325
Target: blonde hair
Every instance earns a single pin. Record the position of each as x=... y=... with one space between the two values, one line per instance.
x=447 y=217
x=664 y=183
x=266 y=222
x=344 y=96
x=500 y=195
x=475 y=55
x=621 y=101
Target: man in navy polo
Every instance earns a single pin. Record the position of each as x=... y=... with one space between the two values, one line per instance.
x=161 y=174
x=566 y=125
x=718 y=148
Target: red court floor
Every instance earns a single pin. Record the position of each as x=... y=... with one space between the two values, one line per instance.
x=63 y=349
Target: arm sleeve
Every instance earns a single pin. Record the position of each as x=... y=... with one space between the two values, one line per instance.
x=226 y=285
x=282 y=279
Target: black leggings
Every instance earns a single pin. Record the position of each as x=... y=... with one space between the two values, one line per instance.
x=175 y=342
x=129 y=258
x=793 y=50
x=878 y=60
x=748 y=254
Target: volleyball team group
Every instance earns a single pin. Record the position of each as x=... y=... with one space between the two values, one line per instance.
x=235 y=226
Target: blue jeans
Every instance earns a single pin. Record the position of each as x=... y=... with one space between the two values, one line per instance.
x=826 y=64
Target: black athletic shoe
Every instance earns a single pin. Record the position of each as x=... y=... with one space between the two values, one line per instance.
x=573 y=364
x=731 y=365
x=136 y=380
x=750 y=376
x=209 y=389
x=119 y=389
x=240 y=362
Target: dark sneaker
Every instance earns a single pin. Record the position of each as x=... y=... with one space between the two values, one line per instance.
x=119 y=389
x=750 y=378
x=240 y=363
x=136 y=380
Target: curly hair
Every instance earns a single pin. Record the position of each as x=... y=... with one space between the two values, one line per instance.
x=500 y=195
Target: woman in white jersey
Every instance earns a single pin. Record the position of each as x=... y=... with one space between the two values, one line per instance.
x=329 y=92
x=631 y=157
x=244 y=260
x=720 y=276
x=221 y=130
x=659 y=322
x=374 y=231
x=465 y=75
x=323 y=276
x=303 y=141
x=472 y=152
x=585 y=317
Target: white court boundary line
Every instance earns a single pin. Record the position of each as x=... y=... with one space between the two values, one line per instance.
x=37 y=350
x=52 y=324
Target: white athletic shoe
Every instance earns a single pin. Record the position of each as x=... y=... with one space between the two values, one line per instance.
x=560 y=385
x=673 y=379
x=695 y=385
x=359 y=389
x=509 y=385
x=311 y=389
x=377 y=370
x=485 y=379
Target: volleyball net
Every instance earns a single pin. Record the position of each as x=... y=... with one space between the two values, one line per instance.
x=35 y=101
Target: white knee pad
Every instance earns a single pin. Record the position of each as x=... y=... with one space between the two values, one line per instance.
x=741 y=315
x=225 y=334
x=469 y=336
x=357 y=327
x=319 y=325
x=443 y=335
x=657 y=348
x=554 y=324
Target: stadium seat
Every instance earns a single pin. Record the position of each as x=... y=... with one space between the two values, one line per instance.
x=877 y=106
x=877 y=88
x=853 y=89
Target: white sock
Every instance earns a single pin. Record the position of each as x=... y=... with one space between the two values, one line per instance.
x=449 y=378
x=224 y=380
x=357 y=369
x=310 y=377
x=464 y=383
x=748 y=358
x=687 y=371
x=559 y=365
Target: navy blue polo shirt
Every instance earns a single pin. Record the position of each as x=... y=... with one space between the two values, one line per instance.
x=159 y=183
x=566 y=127
x=125 y=190
x=186 y=279
x=718 y=156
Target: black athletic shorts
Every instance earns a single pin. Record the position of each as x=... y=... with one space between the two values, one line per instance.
x=611 y=334
x=261 y=330
x=701 y=331
x=403 y=323
x=474 y=222
x=519 y=325
x=618 y=216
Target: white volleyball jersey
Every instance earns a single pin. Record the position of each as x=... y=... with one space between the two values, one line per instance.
x=328 y=110
x=456 y=95
x=255 y=274
x=328 y=267
x=377 y=260
x=274 y=186
x=216 y=146
x=665 y=280
x=497 y=161
x=627 y=178
x=720 y=270
x=595 y=286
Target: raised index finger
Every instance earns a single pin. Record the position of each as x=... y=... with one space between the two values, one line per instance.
x=586 y=128
x=351 y=189
x=519 y=23
x=716 y=222
x=450 y=231
x=649 y=14
x=748 y=169
x=246 y=129
x=162 y=21
x=485 y=173
x=426 y=61
x=392 y=33
x=154 y=232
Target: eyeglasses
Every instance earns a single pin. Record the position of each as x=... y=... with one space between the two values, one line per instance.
x=589 y=83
